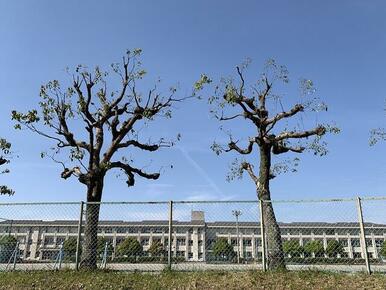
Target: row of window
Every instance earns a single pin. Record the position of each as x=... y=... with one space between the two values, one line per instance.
x=9 y=228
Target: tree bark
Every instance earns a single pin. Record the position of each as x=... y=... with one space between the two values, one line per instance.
x=274 y=248
x=90 y=244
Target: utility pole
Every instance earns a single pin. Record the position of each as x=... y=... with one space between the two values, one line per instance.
x=237 y=213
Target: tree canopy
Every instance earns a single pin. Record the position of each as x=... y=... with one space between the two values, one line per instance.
x=156 y=249
x=334 y=248
x=5 y=154
x=314 y=247
x=292 y=248
x=223 y=249
x=130 y=247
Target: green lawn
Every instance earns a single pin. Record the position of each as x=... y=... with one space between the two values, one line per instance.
x=193 y=280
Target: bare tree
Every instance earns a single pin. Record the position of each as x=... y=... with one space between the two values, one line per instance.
x=91 y=123
x=263 y=109
x=5 y=155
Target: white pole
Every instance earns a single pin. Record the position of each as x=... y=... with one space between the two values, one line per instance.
x=363 y=235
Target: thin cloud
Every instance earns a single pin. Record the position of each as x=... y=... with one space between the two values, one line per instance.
x=200 y=170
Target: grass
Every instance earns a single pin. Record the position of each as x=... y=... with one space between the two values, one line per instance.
x=189 y=280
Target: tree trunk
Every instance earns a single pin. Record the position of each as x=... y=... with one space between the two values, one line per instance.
x=274 y=248
x=90 y=241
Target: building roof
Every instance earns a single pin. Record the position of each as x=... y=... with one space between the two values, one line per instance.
x=190 y=223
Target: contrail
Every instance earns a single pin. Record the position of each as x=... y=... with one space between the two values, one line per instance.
x=200 y=170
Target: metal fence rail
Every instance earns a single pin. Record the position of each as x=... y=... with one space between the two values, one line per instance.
x=336 y=234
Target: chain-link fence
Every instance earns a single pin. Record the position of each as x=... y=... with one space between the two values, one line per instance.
x=338 y=235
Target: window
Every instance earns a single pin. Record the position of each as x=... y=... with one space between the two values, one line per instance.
x=190 y=256
x=60 y=240
x=180 y=253
x=344 y=242
x=121 y=230
x=357 y=255
x=21 y=240
x=200 y=243
x=131 y=230
x=48 y=240
x=180 y=242
x=119 y=240
x=210 y=243
x=378 y=242
x=200 y=255
x=108 y=230
x=48 y=255
x=248 y=242
x=190 y=242
x=355 y=243
x=52 y=230
x=157 y=231
x=330 y=232
x=63 y=230
x=145 y=242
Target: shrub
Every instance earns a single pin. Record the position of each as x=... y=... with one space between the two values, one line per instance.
x=334 y=248
x=314 y=247
x=292 y=248
x=130 y=247
x=222 y=249
x=7 y=247
x=383 y=250
x=69 y=247
x=156 y=249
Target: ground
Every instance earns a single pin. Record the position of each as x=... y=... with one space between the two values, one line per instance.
x=189 y=280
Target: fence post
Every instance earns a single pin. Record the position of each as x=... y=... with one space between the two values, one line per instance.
x=79 y=237
x=262 y=234
x=15 y=256
x=170 y=234
x=363 y=235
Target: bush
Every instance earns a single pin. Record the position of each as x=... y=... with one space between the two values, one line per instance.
x=222 y=249
x=314 y=247
x=69 y=247
x=7 y=247
x=129 y=248
x=292 y=248
x=101 y=244
x=334 y=248
x=156 y=249
x=383 y=250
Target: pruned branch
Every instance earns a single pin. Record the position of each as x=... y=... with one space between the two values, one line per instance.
x=233 y=146
x=249 y=168
x=319 y=131
x=147 y=147
x=280 y=147
x=130 y=170
x=296 y=109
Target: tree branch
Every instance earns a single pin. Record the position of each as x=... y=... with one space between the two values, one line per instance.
x=296 y=109
x=249 y=168
x=319 y=131
x=232 y=146
x=147 y=147
x=280 y=147
x=130 y=170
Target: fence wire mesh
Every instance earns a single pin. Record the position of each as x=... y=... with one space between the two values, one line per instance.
x=339 y=235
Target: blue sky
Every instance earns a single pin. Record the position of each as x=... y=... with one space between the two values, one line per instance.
x=340 y=45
